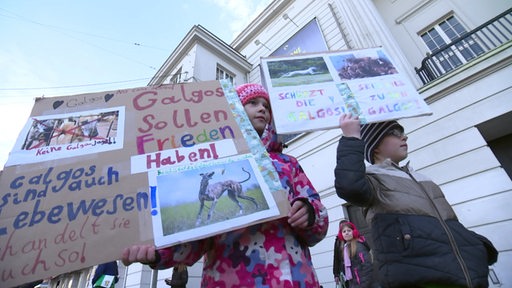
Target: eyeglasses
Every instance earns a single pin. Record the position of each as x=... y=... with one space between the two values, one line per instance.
x=396 y=132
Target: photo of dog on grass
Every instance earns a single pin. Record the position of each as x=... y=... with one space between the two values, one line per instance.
x=298 y=72
x=198 y=197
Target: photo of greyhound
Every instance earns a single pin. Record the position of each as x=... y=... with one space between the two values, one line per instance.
x=296 y=72
x=212 y=192
x=309 y=71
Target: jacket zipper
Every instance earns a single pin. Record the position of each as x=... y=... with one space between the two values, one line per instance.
x=447 y=230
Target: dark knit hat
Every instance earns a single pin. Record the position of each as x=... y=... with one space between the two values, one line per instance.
x=373 y=133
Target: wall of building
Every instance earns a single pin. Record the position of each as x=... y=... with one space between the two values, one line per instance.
x=208 y=61
x=448 y=147
x=188 y=64
x=300 y=13
x=406 y=19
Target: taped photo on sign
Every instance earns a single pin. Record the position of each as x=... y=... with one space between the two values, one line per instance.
x=298 y=72
x=201 y=201
x=68 y=135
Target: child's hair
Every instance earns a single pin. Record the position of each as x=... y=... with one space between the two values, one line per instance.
x=373 y=133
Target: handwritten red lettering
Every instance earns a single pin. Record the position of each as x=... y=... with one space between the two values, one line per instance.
x=7 y=274
x=67 y=256
x=157 y=160
x=8 y=249
x=148 y=99
x=38 y=262
x=120 y=224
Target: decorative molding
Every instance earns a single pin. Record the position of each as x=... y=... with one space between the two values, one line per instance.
x=198 y=35
x=412 y=11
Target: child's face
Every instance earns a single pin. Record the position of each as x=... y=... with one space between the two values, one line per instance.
x=347 y=233
x=393 y=146
x=258 y=111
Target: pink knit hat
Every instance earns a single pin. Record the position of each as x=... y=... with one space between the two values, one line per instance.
x=250 y=91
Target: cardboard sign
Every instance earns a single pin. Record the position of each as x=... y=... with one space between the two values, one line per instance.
x=310 y=92
x=92 y=174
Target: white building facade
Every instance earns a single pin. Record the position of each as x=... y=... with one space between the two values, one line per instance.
x=465 y=146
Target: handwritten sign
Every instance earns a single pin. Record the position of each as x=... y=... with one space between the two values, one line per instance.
x=310 y=92
x=87 y=176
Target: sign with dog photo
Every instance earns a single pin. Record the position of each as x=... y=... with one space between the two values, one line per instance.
x=311 y=91
x=94 y=173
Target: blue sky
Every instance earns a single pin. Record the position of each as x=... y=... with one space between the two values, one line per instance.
x=61 y=47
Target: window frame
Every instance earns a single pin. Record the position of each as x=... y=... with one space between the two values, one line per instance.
x=225 y=73
x=440 y=34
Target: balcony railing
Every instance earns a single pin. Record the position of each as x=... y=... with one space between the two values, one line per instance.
x=471 y=45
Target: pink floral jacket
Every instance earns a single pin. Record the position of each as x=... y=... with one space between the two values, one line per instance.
x=270 y=254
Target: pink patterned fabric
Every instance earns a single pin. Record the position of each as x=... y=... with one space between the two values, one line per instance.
x=270 y=254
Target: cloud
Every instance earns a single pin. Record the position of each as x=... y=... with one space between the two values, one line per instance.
x=241 y=13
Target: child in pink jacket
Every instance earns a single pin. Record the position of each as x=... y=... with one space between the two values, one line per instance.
x=270 y=254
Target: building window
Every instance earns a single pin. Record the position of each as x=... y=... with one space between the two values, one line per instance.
x=497 y=132
x=223 y=74
x=308 y=39
x=176 y=78
x=439 y=36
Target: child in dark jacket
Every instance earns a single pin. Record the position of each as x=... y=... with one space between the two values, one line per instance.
x=352 y=258
x=417 y=238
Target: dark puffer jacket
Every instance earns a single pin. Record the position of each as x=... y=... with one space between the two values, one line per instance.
x=417 y=238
